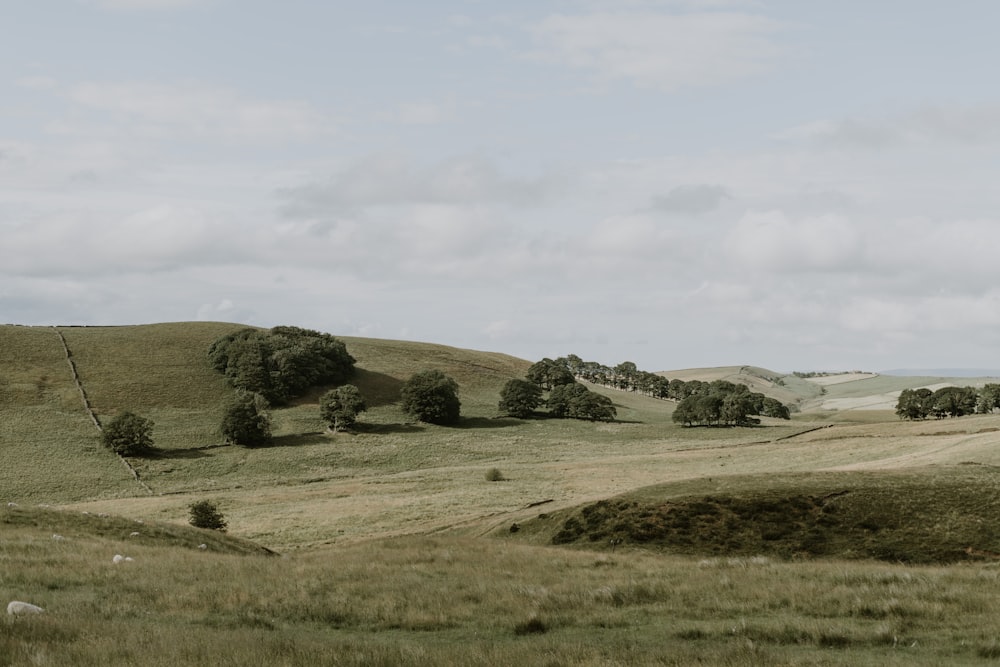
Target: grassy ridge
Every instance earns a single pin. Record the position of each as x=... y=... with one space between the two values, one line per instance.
x=454 y=601
x=933 y=515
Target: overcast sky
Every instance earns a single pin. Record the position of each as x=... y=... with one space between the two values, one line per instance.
x=678 y=183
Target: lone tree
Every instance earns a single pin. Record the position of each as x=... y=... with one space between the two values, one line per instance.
x=129 y=434
x=204 y=514
x=340 y=407
x=519 y=398
x=246 y=421
x=432 y=397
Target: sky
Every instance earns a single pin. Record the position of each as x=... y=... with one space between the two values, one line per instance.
x=678 y=183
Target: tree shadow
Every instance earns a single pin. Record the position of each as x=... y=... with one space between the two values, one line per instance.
x=376 y=388
x=488 y=422
x=294 y=440
x=189 y=453
x=386 y=428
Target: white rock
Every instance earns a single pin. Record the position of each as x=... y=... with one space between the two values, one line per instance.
x=202 y=546
x=118 y=559
x=133 y=534
x=17 y=608
x=128 y=559
x=11 y=504
x=57 y=537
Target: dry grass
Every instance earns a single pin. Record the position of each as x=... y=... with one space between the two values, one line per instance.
x=460 y=601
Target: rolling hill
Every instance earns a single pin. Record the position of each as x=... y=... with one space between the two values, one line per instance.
x=776 y=544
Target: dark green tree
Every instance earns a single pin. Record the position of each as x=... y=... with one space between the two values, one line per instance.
x=246 y=421
x=574 y=401
x=340 y=407
x=280 y=363
x=128 y=434
x=519 y=398
x=204 y=514
x=914 y=403
x=989 y=398
x=953 y=402
x=548 y=374
x=432 y=397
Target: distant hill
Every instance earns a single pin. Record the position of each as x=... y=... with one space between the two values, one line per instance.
x=945 y=372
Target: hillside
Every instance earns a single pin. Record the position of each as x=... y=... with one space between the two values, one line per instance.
x=774 y=544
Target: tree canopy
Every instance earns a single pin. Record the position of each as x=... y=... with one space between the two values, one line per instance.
x=340 y=407
x=432 y=397
x=280 y=363
x=577 y=402
x=246 y=421
x=128 y=434
x=519 y=398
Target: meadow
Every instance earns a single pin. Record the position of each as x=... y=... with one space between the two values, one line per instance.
x=836 y=538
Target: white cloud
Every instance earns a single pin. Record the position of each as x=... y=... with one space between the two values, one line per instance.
x=965 y=126
x=771 y=242
x=393 y=179
x=201 y=110
x=663 y=51
x=145 y=4
x=692 y=199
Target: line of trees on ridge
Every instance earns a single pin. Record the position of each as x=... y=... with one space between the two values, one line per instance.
x=699 y=403
x=947 y=402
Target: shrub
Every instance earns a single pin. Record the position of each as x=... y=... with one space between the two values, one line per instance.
x=432 y=397
x=246 y=421
x=494 y=475
x=204 y=514
x=339 y=407
x=128 y=434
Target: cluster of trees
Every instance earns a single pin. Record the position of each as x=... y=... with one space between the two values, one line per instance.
x=567 y=397
x=723 y=403
x=717 y=403
x=947 y=402
x=280 y=363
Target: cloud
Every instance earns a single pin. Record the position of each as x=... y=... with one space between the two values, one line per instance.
x=965 y=126
x=140 y=5
x=770 y=241
x=693 y=199
x=666 y=52
x=387 y=180
x=201 y=110
x=421 y=113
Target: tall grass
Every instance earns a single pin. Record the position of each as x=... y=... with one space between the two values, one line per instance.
x=453 y=601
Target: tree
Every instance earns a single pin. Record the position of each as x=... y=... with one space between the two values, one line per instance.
x=989 y=398
x=548 y=374
x=575 y=401
x=280 y=363
x=246 y=421
x=204 y=514
x=432 y=397
x=519 y=398
x=913 y=403
x=340 y=407
x=128 y=434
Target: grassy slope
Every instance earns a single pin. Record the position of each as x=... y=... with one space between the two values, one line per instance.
x=49 y=449
x=452 y=598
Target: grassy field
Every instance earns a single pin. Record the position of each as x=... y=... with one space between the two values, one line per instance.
x=835 y=538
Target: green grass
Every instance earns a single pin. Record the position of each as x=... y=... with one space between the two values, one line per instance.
x=398 y=549
x=913 y=516
x=462 y=601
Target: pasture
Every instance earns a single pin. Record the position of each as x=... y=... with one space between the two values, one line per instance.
x=396 y=548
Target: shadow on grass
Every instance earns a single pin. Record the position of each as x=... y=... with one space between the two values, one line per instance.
x=488 y=422
x=295 y=440
x=387 y=428
x=190 y=453
x=378 y=389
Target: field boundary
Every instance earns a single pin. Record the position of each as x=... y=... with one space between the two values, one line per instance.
x=90 y=410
